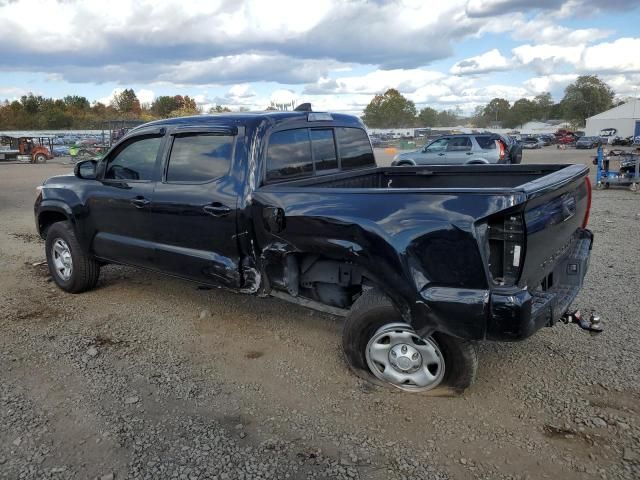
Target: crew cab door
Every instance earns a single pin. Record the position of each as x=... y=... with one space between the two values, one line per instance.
x=119 y=206
x=194 y=207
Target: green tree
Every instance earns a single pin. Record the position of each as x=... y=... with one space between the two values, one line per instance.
x=585 y=97
x=478 y=119
x=389 y=111
x=76 y=102
x=428 y=117
x=163 y=106
x=447 y=118
x=497 y=110
x=544 y=103
x=221 y=109
x=127 y=103
x=522 y=111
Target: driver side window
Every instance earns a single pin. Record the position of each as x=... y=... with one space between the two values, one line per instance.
x=439 y=145
x=136 y=161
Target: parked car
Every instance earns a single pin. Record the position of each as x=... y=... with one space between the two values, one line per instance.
x=463 y=149
x=587 y=142
x=608 y=135
x=547 y=139
x=422 y=261
x=568 y=139
x=531 y=143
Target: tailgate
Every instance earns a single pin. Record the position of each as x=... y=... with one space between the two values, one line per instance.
x=556 y=210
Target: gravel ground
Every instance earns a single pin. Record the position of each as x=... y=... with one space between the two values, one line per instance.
x=151 y=377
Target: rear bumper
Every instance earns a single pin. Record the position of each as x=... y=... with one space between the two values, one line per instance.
x=504 y=316
x=518 y=315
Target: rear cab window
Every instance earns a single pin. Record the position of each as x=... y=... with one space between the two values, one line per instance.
x=304 y=152
x=199 y=157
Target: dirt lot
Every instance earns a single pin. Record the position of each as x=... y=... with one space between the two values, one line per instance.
x=151 y=377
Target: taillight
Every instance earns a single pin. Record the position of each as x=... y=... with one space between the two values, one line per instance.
x=502 y=150
x=585 y=221
x=506 y=248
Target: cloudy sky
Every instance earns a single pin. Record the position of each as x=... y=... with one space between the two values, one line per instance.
x=334 y=53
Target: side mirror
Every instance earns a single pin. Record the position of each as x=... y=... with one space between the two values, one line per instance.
x=85 y=169
x=425 y=149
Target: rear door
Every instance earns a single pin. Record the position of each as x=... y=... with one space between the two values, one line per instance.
x=194 y=207
x=459 y=150
x=119 y=208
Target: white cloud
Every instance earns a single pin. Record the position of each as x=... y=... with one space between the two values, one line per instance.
x=491 y=61
x=550 y=83
x=13 y=93
x=145 y=96
x=622 y=55
x=377 y=81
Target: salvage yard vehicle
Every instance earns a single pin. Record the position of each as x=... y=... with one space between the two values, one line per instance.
x=32 y=149
x=463 y=149
x=587 y=142
x=531 y=143
x=422 y=261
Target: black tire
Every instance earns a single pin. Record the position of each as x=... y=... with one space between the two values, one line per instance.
x=373 y=310
x=405 y=164
x=85 y=271
x=40 y=158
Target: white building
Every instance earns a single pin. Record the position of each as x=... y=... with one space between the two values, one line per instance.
x=624 y=118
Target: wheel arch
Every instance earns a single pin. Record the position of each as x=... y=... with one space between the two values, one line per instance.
x=50 y=213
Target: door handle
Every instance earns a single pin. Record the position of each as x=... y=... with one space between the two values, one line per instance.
x=216 y=210
x=441 y=154
x=469 y=153
x=140 y=201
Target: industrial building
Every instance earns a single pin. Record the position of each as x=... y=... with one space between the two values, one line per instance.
x=624 y=118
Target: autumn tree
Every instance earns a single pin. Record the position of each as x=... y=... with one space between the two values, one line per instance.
x=127 y=103
x=390 y=110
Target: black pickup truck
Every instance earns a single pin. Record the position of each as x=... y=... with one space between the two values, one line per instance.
x=422 y=261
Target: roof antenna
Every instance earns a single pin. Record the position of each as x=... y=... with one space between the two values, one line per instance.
x=303 y=107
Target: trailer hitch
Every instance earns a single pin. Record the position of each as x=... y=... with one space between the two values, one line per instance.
x=592 y=324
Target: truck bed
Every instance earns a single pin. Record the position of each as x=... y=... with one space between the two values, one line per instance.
x=445 y=235
x=456 y=178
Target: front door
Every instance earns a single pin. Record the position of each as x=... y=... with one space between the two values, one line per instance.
x=435 y=153
x=119 y=209
x=194 y=209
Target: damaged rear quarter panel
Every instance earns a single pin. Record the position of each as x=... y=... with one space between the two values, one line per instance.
x=407 y=243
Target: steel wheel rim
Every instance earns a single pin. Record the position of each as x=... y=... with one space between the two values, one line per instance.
x=397 y=355
x=62 y=260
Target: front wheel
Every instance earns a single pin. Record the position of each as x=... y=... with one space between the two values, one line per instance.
x=383 y=349
x=40 y=158
x=72 y=269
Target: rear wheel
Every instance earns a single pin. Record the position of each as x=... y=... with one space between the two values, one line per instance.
x=40 y=158
x=383 y=349
x=71 y=269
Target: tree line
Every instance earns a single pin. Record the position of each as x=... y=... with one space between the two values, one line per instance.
x=585 y=97
x=34 y=112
